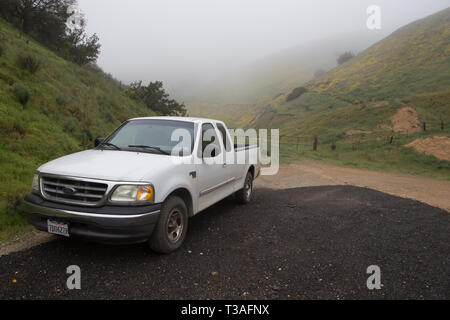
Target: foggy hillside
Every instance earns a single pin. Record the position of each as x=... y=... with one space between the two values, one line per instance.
x=274 y=74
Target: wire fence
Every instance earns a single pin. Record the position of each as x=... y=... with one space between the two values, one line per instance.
x=300 y=143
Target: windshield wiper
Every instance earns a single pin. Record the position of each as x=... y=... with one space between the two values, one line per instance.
x=109 y=144
x=149 y=147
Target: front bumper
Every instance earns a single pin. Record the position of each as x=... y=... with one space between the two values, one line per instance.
x=107 y=224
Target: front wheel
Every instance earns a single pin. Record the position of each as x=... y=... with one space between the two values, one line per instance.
x=171 y=229
x=244 y=195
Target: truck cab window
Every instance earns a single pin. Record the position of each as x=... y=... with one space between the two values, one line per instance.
x=210 y=142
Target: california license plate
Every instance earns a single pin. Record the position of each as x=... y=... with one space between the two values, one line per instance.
x=58 y=228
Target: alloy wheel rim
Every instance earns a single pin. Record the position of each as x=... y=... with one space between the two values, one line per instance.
x=175 y=226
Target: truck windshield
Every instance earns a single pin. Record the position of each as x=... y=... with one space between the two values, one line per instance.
x=167 y=137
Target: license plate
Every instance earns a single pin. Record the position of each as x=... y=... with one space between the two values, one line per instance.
x=58 y=228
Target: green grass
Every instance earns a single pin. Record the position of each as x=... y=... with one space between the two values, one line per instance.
x=69 y=107
x=315 y=114
x=372 y=154
x=409 y=68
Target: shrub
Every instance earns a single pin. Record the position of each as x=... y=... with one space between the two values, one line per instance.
x=1 y=50
x=13 y=202
x=17 y=127
x=22 y=93
x=69 y=125
x=61 y=100
x=297 y=92
x=345 y=57
x=30 y=63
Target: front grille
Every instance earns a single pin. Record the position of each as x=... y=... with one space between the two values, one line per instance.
x=73 y=191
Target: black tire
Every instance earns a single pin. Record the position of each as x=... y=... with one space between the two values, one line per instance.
x=244 y=195
x=167 y=237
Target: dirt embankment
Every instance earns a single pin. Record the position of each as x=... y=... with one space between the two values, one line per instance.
x=438 y=146
x=406 y=120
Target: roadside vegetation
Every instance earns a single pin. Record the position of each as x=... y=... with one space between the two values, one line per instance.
x=49 y=107
x=154 y=97
x=54 y=99
x=45 y=21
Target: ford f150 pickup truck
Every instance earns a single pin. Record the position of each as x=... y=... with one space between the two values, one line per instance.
x=142 y=183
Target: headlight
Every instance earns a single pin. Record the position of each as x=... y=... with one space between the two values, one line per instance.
x=133 y=193
x=35 y=187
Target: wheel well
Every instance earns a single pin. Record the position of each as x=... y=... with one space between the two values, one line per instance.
x=187 y=198
x=252 y=170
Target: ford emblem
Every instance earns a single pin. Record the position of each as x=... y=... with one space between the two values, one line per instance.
x=68 y=190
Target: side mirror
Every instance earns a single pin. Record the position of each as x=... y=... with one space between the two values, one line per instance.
x=98 y=142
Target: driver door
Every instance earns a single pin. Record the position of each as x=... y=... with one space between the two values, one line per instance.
x=212 y=177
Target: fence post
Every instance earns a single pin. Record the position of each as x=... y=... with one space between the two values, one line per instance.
x=442 y=125
x=424 y=126
x=392 y=140
x=298 y=142
x=21 y=28
x=315 y=143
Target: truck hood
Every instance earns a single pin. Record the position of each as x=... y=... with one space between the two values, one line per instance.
x=109 y=165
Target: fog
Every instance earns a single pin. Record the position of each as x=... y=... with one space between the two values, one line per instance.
x=183 y=42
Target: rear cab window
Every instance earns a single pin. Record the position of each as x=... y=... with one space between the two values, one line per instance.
x=225 y=138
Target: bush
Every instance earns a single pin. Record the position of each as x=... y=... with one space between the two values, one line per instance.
x=1 y=50
x=13 y=202
x=29 y=63
x=61 y=100
x=155 y=98
x=69 y=125
x=46 y=21
x=22 y=93
x=345 y=57
x=297 y=92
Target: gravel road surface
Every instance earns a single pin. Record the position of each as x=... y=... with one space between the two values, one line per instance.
x=301 y=243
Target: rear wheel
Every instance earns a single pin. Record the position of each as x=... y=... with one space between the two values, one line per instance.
x=244 y=195
x=170 y=231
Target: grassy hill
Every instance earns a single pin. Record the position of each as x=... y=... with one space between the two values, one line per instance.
x=413 y=60
x=238 y=95
x=388 y=90
x=68 y=107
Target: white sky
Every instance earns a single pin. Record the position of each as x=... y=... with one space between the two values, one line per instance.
x=174 y=40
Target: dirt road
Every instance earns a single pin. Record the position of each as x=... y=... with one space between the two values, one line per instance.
x=303 y=174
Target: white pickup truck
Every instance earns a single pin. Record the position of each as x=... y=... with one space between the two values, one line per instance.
x=142 y=183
